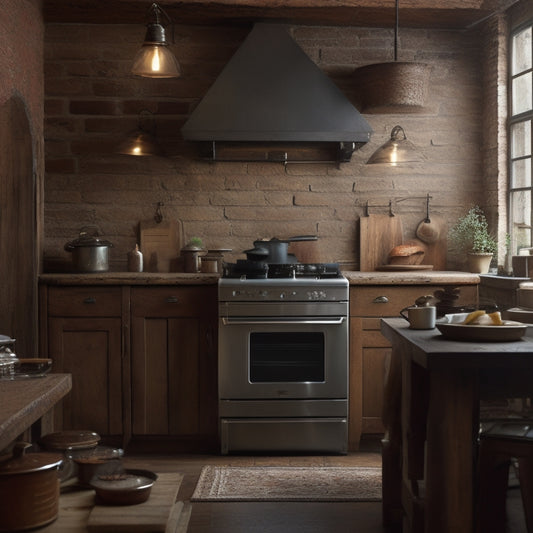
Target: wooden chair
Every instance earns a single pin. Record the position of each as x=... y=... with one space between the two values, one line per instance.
x=501 y=443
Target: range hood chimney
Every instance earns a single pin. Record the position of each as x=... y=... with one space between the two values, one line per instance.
x=271 y=97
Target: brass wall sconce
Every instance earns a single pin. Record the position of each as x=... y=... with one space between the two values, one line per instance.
x=398 y=149
x=142 y=141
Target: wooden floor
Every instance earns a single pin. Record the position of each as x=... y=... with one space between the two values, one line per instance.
x=270 y=517
x=291 y=517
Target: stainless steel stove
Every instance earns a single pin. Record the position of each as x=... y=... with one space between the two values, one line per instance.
x=283 y=358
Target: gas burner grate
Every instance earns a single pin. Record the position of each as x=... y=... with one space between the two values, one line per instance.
x=246 y=269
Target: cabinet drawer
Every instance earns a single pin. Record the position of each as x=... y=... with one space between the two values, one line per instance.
x=85 y=301
x=385 y=300
x=171 y=301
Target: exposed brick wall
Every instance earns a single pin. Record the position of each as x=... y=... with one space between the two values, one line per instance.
x=92 y=102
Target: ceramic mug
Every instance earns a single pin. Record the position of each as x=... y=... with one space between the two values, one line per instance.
x=422 y=317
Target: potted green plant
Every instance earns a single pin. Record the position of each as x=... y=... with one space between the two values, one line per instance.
x=471 y=236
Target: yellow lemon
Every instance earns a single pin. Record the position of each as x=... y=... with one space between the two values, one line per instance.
x=472 y=316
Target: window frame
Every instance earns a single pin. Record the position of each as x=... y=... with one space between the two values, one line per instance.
x=512 y=121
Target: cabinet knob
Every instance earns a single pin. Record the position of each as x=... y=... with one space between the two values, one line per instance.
x=172 y=300
x=89 y=300
x=380 y=300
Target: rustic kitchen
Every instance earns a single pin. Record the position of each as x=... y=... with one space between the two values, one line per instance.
x=252 y=254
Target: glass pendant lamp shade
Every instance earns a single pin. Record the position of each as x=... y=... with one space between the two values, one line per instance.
x=398 y=149
x=154 y=59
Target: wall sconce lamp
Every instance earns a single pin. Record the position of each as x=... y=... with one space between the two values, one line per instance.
x=142 y=141
x=398 y=149
x=154 y=59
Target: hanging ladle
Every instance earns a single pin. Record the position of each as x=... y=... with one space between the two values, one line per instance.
x=428 y=231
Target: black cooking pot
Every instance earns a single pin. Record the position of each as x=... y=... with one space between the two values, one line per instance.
x=275 y=251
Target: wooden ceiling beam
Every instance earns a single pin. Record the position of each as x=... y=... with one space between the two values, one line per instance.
x=371 y=13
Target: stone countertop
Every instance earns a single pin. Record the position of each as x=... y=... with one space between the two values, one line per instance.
x=413 y=277
x=418 y=277
x=24 y=401
x=130 y=278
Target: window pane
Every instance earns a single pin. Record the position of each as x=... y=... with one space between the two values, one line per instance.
x=521 y=139
x=521 y=59
x=521 y=173
x=521 y=220
x=522 y=94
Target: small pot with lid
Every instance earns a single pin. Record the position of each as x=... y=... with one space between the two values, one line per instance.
x=276 y=251
x=29 y=485
x=90 y=253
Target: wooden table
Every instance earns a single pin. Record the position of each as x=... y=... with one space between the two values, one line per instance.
x=24 y=401
x=431 y=415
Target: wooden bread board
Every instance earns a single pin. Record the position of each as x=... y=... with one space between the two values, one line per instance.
x=160 y=245
x=379 y=234
x=150 y=516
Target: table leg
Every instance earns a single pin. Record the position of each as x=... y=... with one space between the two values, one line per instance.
x=392 y=443
x=451 y=425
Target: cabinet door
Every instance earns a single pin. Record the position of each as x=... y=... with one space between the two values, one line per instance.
x=174 y=383
x=91 y=350
x=369 y=350
x=368 y=353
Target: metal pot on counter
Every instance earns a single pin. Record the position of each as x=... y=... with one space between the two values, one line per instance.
x=90 y=253
x=275 y=251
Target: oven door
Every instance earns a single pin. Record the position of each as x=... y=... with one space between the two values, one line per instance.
x=283 y=357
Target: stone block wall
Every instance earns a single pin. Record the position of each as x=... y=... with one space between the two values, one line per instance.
x=92 y=102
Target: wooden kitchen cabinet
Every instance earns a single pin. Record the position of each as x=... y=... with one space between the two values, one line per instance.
x=143 y=360
x=174 y=365
x=369 y=350
x=82 y=331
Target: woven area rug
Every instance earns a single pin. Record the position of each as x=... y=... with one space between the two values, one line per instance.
x=291 y=483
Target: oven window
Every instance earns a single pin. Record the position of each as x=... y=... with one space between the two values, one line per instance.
x=282 y=357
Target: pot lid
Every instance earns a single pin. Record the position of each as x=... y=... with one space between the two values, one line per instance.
x=88 y=240
x=4 y=340
x=89 y=236
x=99 y=454
x=25 y=463
x=70 y=440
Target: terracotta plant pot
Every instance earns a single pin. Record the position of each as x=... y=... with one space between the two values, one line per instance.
x=479 y=263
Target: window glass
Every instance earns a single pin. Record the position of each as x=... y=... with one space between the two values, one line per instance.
x=521 y=173
x=521 y=51
x=521 y=216
x=522 y=94
x=521 y=139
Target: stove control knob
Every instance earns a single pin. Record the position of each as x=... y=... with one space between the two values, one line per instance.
x=316 y=295
x=281 y=295
x=263 y=294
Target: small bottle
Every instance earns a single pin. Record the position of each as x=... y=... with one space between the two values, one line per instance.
x=135 y=260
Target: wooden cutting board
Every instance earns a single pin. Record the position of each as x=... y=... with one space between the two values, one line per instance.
x=160 y=244
x=379 y=234
x=151 y=516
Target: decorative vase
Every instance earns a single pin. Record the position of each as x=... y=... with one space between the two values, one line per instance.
x=479 y=263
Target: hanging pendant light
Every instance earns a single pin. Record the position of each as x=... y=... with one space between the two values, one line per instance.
x=142 y=141
x=154 y=59
x=392 y=87
x=398 y=149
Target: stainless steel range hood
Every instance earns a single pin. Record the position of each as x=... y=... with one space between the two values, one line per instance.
x=270 y=98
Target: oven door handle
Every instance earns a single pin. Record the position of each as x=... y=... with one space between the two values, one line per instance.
x=334 y=321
